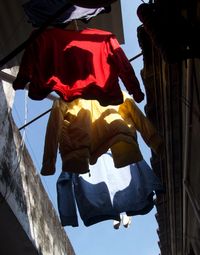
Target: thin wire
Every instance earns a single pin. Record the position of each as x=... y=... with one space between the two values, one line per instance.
x=135 y=57
x=5 y=197
x=37 y=163
x=25 y=118
x=36 y=118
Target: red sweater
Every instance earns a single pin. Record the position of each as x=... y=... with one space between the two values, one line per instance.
x=77 y=64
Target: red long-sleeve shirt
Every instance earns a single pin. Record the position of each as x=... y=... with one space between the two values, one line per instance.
x=77 y=64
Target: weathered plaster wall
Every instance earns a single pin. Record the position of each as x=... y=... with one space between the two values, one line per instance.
x=191 y=152
x=173 y=103
x=22 y=190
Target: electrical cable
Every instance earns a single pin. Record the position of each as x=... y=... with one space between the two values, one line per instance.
x=36 y=118
x=135 y=57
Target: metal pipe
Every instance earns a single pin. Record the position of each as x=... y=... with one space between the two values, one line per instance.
x=186 y=149
x=135 y=57
x=33 y=120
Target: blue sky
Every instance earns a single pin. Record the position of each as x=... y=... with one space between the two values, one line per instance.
x=141 y=237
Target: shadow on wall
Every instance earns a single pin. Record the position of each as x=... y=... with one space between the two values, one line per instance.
x=13 y=203
x=26 y=213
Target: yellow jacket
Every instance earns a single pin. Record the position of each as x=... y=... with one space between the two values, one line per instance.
x=84 y=130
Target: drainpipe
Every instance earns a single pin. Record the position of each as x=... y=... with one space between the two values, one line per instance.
x=186 y=148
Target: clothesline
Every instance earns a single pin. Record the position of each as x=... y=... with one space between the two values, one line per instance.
x=38 y=117
x=135 y=57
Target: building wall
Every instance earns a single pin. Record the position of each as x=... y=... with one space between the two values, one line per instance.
x=191 y=155
x=23 y=198
x=173 y=105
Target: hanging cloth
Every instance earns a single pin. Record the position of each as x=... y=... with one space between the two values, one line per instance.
x=83 y=130
x=107 y=192
x=38 y=11
x=77 y=64
x=125 y=220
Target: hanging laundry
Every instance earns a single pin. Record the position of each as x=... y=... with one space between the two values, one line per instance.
x=106 y=193
x=84 y=130
x=77 y=64
x=39 y=11
x=125 y=220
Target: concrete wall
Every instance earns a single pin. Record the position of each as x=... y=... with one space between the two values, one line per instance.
x=191 y=152
x=173 y=103
x=23 y=200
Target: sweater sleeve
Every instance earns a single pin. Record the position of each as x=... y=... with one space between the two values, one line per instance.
x=52 y=139
x=66 y=200
x=125 y=70
x=143 y=125
x=32 y=69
